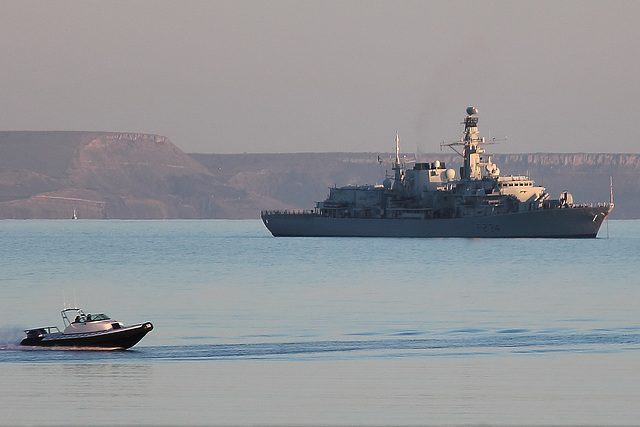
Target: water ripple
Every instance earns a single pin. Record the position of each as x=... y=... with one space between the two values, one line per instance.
x=512 y=341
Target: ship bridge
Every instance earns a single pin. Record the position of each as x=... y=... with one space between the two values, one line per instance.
x=520 y=186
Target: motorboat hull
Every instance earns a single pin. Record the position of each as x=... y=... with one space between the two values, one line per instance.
x=575 y=222
x=122 y=338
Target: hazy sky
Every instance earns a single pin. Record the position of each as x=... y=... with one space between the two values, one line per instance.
x=318 y=76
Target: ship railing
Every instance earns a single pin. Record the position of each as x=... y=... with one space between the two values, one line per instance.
x=553 y=204
x=590 y=205
x=288 y=212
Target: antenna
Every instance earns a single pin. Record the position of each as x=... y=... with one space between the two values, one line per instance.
x=611 y=190
x=610 y=201
x=397 y=149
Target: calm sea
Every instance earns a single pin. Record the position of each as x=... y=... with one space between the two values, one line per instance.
x=256 y=330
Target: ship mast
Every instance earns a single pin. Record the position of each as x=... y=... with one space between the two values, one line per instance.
x=397 y=167
x=472 y=148
x=471 y=151
x=397 y=149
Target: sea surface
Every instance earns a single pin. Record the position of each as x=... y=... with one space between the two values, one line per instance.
x=255 y=330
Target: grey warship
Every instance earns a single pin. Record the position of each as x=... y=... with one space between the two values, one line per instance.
x=430 y=201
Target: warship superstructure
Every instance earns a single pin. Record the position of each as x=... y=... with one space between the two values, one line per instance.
x=430 y=200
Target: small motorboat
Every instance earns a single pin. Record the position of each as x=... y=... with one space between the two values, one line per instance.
x=87 y=330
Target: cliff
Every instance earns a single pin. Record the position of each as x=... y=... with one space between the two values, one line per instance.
x=142 y=176
x=112 y=175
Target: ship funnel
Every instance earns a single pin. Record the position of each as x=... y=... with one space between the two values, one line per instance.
x=471 y=111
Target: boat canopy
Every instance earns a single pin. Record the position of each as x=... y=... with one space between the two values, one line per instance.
x=76 y=315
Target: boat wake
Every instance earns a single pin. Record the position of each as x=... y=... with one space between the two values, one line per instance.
x=462 y=344
x=467 y=343
x=10 y=335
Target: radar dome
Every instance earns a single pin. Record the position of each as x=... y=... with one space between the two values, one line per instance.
x=565 y=198
x=451 y=174
x=386 y=183
x=472 y=110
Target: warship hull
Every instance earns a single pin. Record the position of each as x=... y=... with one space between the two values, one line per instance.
x=570 y=222
x=429 y=200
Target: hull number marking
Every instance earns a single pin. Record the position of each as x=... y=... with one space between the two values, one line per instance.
x=488 y=228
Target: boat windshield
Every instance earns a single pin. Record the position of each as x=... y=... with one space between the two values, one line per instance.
x=76 y=315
